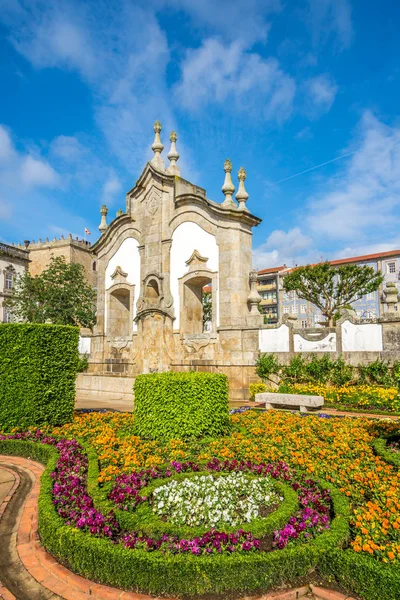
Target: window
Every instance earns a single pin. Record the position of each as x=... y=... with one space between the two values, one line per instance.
x=304 y=324
x=286 y=309
x=303 y=308
x=8 y=317
x=9 y=280
x=285 y=296
x=371 y=296
x=391 y=267
x=293 y=310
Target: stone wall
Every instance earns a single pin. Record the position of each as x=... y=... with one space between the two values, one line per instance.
x=356 y=340
x=73 y=250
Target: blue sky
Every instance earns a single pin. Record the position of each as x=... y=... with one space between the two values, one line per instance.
x=277 y=86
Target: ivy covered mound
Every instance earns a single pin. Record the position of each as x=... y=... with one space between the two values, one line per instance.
x=111 y=533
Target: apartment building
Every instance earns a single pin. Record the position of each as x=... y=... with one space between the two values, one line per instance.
x=269 y=290
x=370 y=306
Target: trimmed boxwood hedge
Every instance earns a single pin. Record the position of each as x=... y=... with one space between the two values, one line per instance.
x=381 y=449
x=181 y=405
x=38 y=366
x=361 y=574
x=177 y=574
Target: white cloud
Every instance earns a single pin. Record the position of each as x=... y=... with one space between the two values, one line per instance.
x=67 y=148
x=36 y=172
x=244 y=20
x=5 y=210
x=284 y=247
x=111 y=188
x=7 y=151
x=362 y=201
x=321 y=91
x=331 y=19
x=52 y=37
x=216 y=72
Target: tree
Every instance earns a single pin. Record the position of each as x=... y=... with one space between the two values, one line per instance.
x=59 y=295
x=332 y=288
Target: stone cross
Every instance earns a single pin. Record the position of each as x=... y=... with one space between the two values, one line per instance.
x=228 y=188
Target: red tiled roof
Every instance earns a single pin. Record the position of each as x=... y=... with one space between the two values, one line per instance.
x=339 y=261
x=271 y=270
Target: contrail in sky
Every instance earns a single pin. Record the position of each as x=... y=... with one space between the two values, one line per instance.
x=316 y=167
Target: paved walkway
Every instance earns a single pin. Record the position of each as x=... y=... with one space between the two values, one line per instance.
x=87 y=402
x=28 y=572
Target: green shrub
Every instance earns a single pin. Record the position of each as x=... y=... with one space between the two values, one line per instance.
x=181 y=405
x=257 y=388
x=362 y=574
x=266 y=365
x=38 y=365
x=380 y=446
x=378 y=372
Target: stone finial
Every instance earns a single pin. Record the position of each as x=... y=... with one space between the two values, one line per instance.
x=242 y=195
x=157 y=148
x=254 y=298
x=103 y=222
x=120 y=212
x=228 y=188
x=390 y=296
x=173 y=155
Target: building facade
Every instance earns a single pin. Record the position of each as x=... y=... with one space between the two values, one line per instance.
x=370 y=306
x=72 y=249
x=13 y=262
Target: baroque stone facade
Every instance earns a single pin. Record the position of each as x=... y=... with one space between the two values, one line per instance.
x=153 y=262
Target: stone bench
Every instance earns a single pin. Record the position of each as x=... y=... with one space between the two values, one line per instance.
x=275 y=400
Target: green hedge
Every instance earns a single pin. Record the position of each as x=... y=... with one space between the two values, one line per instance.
x=38 y=365
x=176 y=574
x=181 y=405
x=381 y=449
x=363 y=575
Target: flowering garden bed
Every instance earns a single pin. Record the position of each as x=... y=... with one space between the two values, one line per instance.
x=345 y=397
x=98 y=493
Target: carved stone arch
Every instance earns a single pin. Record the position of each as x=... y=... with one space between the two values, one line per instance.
x=154 y=296
x=191 y=216
x=111 y=243
x=120 y=298
x=191 y=286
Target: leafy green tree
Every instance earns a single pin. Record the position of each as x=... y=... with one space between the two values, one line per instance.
x=332 y=288
x=59 y=295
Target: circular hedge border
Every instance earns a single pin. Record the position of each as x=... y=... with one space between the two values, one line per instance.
x=381 y=449
x=143 y=518
x=104 y=561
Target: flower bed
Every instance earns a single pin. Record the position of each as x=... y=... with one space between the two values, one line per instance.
x=342 y=451
x=66 y=509
x=359 y=397
x=232 y=499
x=339 y=450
